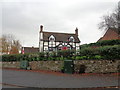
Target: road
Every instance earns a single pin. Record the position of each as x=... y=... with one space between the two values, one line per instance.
x=12 y=78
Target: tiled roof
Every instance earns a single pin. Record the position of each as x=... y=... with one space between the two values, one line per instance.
x=30 y=50
x=63 y=37
x=111 y=34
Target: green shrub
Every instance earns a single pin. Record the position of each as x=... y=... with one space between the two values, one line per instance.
x=61 y=58
x=98 y=57
x=102 y=43
x=13 y=57
x=78 y=58
x=65 y=53
x=102 y=52
x=108 y=42
x=73 y=57
x=82 y=57
x=110 y=52
x=88 y=51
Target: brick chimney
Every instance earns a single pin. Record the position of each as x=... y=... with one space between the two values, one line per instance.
x=41 y=28
x=76 y=31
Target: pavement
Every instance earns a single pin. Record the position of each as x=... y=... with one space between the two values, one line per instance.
x=26 y=79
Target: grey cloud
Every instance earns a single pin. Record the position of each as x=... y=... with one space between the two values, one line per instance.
x=84 y=9
x=23 y=19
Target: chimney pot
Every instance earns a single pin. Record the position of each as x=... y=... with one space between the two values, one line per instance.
x=76 y=31
x=41 y=28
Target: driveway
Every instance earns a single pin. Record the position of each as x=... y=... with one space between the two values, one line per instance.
x=42 y=80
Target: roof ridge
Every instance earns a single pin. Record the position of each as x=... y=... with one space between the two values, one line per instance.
x=58 y=32
x=30 y=47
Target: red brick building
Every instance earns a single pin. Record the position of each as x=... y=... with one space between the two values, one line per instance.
x=29 y=50
x=111 y=34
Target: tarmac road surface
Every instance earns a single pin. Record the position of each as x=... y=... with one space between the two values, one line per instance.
x=42 y=80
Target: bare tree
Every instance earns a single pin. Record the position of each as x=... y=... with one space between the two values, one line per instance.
x=9 y=45
x=111 y=20
x=15 y=47
x=119 y=17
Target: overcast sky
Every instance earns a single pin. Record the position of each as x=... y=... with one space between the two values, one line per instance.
x=22 y=18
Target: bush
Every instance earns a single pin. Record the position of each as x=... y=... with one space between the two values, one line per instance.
x=73 y=57
x=110 y=52
x=78 y=58
x=13 y=57
x=103 y=52
x=108 y=42
x=81 y=58
x=87 y=53
x=41 y=55
x=98 y=57
x=102 y=43
x=65 y=53
x=61 y=58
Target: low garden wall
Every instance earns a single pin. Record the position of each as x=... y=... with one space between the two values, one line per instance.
x=46 y=65
x=97 y=66
x=90 y=66
x=36 y=65
x=11 y=64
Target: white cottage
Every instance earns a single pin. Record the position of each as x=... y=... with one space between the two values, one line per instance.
x=54 y=41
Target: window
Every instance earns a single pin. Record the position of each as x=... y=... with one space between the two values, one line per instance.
x=68 y=46
x=51 y=38
x=71 y=39
x=51 y=43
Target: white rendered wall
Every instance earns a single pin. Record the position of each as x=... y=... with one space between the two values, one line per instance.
x=45 y=43
x=40 y=42
x=77 y=46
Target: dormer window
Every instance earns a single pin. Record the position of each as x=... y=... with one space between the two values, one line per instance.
x=71 y=39
x=52 y=38
x=51 y=43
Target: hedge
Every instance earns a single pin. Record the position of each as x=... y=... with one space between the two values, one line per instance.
x=61 y=55
x=103 y=52
x=102 y=43
x=110 y=52
x=88 y=53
